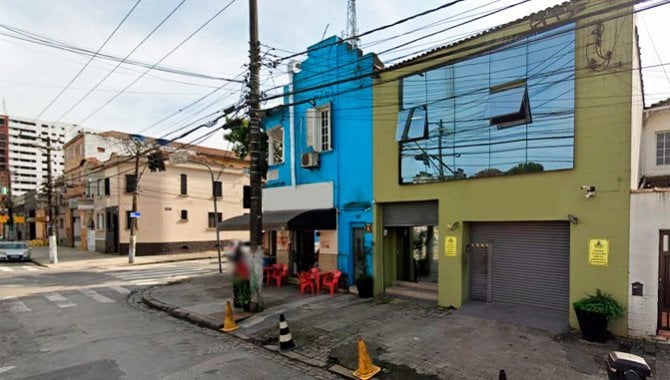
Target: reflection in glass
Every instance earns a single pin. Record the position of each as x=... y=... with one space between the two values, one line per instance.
x=479 y=112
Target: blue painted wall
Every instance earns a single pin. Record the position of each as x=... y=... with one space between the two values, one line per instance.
x=349 y=164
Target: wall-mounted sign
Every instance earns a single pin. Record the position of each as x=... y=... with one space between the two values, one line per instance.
x=19 y=219
x=450 y=245
x=368 y=227
x=599 y=250
x=135 y=214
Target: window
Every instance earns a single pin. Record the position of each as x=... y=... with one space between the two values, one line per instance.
x=101 y=149
x=107 y=186
x=131 y=183
x=319 y=128
x=184 y=185
x=211 y=223
x=99 y=187
x=508 y=107
x=276 y=145
x=412 y=124
x=663 y=148
x=184 y=215
x=217 y=189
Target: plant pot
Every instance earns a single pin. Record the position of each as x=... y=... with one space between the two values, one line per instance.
x=592 y=325
x=365 y=287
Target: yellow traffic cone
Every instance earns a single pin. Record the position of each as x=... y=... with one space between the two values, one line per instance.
x=229 y=323
x=366 y=369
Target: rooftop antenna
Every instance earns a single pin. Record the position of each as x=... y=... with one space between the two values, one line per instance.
x=324 y=32
x=352 y=29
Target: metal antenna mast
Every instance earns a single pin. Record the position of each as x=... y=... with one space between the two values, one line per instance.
x=352 y=28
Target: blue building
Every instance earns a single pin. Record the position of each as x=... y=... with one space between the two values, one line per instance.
x=317 y=199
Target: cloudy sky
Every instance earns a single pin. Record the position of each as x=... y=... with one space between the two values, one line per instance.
x=32 y=75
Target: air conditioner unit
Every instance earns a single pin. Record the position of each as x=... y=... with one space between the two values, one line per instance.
x=310 y=160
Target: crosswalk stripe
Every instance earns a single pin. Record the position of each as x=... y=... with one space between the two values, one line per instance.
x=96 y=296
x=146 y=282
x=5 y=269
x=147 y=274
x=29 y=268
x=120 y=289
x=8 y=368
x=59 y=300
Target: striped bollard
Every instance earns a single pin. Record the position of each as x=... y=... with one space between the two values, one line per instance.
x=285 y=339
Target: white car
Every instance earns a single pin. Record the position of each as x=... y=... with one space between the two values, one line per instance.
x=14 y=250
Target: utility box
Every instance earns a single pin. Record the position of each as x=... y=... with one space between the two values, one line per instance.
x=624 y=366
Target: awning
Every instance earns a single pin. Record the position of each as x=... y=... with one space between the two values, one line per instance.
x=318 y=219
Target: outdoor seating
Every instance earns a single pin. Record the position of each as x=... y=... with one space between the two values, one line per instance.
x=279 y=274
x=306 y=281
x=316 y=277
x=331 y=281
x=268 y=272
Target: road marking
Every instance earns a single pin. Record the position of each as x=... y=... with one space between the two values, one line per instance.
x=59 y=300
x=8 y=368
x=97 y=296
x=148 y=274
x=29 y=268
x=16 y=306
x=120 y=289
x=5 y=269
x=144 y=283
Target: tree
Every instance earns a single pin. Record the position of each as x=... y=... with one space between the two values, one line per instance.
x=239 y=137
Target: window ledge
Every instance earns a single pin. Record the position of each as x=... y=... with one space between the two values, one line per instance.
x=183 y=195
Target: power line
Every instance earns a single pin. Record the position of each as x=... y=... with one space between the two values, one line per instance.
x=89 y=60
x=159 y=61
x=123 y=60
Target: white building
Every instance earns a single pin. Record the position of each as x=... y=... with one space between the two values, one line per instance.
x=27 y=151
x=649 y=275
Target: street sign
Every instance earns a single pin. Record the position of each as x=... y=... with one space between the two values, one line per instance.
x=135 y=214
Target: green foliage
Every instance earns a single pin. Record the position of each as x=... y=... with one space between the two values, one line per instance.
x=242 y=291
x=602 y=303
x=526 y=167
x=239 y=135
x=492 y=172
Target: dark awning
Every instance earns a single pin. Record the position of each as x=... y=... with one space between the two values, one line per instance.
x=319 y=219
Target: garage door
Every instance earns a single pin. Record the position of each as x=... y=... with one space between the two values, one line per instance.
x=529 y=263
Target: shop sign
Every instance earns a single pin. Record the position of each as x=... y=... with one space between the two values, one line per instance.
x=19 y=219
x=599 y=250
x=450 y=245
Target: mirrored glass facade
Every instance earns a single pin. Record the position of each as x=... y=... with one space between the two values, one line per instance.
x=509 y=111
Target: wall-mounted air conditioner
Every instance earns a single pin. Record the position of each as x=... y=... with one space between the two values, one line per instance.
x=310 y=160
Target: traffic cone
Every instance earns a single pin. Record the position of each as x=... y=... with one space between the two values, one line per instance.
x=285 y=338
x=229 y=323
x=366 y=369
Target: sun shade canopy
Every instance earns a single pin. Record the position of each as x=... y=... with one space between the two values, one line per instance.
x=318 y=219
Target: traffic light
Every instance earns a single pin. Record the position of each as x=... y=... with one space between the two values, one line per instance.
x=156 y=162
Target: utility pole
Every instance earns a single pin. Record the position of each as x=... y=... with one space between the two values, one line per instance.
x=53 y=248
x=255 y=206
x=133 y=220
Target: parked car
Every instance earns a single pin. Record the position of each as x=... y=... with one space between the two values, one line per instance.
x=14 y=250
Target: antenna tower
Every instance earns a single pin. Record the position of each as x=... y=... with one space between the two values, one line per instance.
x=352 y=29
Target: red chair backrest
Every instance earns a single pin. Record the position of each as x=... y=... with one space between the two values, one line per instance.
x=314 y=270
x=284 y=270
x=336 y=276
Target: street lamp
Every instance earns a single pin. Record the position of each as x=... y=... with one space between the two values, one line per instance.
x=182 y=157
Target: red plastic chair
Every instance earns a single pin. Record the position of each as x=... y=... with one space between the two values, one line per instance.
x=268 y=271
x=306 y=281
x=280 y=273
x=331 y=280
x=316 y=277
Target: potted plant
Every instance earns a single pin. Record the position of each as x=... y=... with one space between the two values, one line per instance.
x=364 y=281
x=594 y=312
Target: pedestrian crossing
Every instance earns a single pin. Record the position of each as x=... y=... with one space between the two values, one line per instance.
x=19 y=268
x=160 y=274
x=71 y=299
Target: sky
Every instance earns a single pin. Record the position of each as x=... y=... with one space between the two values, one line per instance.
x=31 y=76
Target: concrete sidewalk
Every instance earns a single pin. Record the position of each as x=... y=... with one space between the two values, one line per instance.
x=407 y=339
x=71 y=257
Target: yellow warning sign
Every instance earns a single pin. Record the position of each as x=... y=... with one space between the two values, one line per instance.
x=450 y=245
x=599 y=250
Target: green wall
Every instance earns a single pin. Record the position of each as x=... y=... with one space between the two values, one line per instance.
x=602 y=159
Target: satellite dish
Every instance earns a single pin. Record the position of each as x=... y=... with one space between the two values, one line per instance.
x=294 y=66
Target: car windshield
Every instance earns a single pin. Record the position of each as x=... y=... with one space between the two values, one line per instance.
x=12 y=245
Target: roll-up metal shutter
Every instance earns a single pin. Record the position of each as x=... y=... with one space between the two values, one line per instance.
x=530 y=262
x=407 y=214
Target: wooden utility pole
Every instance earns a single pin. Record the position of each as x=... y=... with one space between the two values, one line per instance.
x=255 y=206
x=132 y=244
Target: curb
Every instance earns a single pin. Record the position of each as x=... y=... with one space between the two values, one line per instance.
x=223 y=260
x=215 y=324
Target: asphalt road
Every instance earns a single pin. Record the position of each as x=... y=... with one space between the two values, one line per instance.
x=87 y=323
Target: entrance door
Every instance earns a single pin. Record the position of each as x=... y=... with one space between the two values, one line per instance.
x=404 y=268
x=480 y=271
x=112 y=230
x=304 y=246
x=664 y=280
x=358 y=249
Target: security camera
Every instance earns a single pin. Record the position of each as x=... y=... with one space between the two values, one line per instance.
x=589 y=194
x=589 y=188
